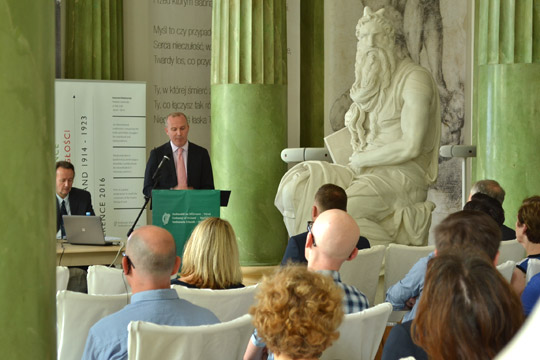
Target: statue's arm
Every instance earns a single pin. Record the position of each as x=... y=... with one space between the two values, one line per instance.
x=417 y=96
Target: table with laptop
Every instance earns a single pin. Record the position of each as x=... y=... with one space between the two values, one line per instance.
x=86 y=244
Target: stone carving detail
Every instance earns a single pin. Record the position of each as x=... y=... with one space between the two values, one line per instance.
x=387 y=155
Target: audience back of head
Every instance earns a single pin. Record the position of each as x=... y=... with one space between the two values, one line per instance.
x=468 y=229
x=490 y=188
x=332 y=240
x=486 y=204
x=467 y=310
x=211 y=259
x=298 y=312
x=152 y=251
x=529 y=215
x=330 y=196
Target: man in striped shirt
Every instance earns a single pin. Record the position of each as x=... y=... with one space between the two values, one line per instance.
x=330 y=242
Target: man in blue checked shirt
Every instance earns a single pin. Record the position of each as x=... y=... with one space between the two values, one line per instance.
x=330 y=242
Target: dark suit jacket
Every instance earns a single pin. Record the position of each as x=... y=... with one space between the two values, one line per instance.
x=199 y=169
x=399 y=344
x=295 y=248
x=80 y=202
x=507 y=233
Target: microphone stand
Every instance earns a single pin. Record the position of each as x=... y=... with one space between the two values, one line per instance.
x=146 y=200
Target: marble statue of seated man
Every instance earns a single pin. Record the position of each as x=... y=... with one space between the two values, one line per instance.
x=387 y=155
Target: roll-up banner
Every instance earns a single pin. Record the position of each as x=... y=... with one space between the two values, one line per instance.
x=100 y=127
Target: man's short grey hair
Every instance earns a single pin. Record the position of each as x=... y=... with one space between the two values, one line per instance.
x=146 y=260
x=489 y=188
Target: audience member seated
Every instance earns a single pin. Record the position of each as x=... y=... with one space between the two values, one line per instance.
x=399 y=344
x=211 y=259
x=330 y=242
x=494 y=190
x=531 y=294
x=148 y=263
x=71 y=201
x=528 y=235
x=297 y=313
x=329 y=196
x=461 y=230
x=468 y=310
x=487 y=204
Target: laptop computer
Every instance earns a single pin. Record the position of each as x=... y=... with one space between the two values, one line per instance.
x=85 y=230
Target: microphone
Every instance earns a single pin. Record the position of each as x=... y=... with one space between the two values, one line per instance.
x=165 y=157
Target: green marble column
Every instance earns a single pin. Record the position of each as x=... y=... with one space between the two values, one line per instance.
x=249 y=120
x=27 y=247
x=506 y=96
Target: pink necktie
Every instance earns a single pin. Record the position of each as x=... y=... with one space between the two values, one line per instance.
x=181 y=171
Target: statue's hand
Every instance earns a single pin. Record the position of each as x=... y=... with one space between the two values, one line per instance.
x=355 y=162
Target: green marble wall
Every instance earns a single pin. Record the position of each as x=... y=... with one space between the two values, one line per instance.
x=249 y=121
x=27 y=265
x=506 y=122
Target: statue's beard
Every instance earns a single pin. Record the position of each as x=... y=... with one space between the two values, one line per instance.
x=374 y=69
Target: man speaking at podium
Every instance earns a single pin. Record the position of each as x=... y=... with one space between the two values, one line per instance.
x=183 y=164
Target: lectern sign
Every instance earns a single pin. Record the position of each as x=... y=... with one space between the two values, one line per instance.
x=179 y=211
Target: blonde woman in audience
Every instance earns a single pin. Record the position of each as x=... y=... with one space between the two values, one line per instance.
x=297 y=313
x=467 y=309
x=211 y=259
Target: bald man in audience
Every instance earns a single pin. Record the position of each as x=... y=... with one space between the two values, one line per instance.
x=149 y=261
x=328 y=196
x=331 y=241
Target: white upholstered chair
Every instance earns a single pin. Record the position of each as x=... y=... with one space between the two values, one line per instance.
x=76 y=313
x=511 y=250
x=228 y=340
x=226 y=304
x=400 y=259
x=506 y=269
x=104 y=280
x=360 y=334
x=363 y=271
x=62 y=278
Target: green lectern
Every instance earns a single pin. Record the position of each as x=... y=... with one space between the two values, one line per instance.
x=179 y=211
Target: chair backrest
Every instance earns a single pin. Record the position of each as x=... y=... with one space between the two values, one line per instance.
x=104 y=280
x=400 y=259
x=225 y=304
x=506 y=269
x=228 y=340
x=360 y=334
x=511 y=250
x=363 y=271
x=62 y=278
x=76 y=313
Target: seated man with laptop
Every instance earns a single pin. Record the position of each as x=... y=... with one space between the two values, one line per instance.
x=69 y=200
